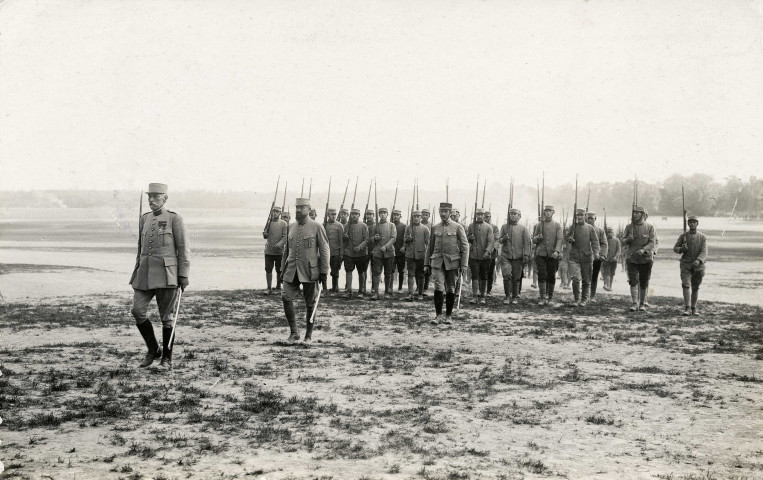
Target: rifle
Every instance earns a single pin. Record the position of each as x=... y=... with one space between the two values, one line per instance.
x=140 y=212
x=376 y=210
x=537 y=188
x=368 y=199
x=588 y=201
x=302 y=192
x=605 y=219
x=326 y=212
x=417 y=194
x=474 y=216
x=395 y=199
x=447 y=189
x=575 y=208
x=483 y=192
x=345 y=192
x=542 y=207
x=270 y=212
x=413 y=203
x=683 y=205
x=310 y=192
x=635 y=199
x=354 y=193
x=283 y=205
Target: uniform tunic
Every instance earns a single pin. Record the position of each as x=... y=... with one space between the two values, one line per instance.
x=643 y=239
x=603 y=244
x=335 y=234
x=356 y=241
x=448 y=247
x=697 y=245
x=306 y=255
x=481 y=248
x=518 y=244
x=552 y=238
x=387 y=233
x=276 y=238
x=400 y=228
x=416 y=249
x=586 y=246
x=163 y=254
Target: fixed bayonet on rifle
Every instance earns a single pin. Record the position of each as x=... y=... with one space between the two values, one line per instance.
x=537 y=188
x=368 y=198
x=483 y=192
x=413 y=202
x=345 y=193
x=140 y=212
x=447 y=189
x=326 y=212
x=635 y=197
x=588 y=201
x=394 y=201
x=575 y=209
x=417 y=194
x=272 y=205
x=302 y=191
x=283 y=205
x=376 y=210
x=310 y=192
x=605 y=219
x=683 y=205
x=474 y=213
x=355 y=193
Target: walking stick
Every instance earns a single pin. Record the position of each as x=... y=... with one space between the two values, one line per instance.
x=460 y=286
x=315 y=308
x=174 y=322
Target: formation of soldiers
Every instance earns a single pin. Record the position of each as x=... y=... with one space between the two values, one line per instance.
x=306 y=252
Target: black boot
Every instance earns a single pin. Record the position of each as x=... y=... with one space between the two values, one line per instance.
x=550 y=294
x=309 y=325
x=335 y=284
x=288 y=308
x=507 y=290
x=450 y=299
x=437 y=307
x=167 y=352
x=154 y=352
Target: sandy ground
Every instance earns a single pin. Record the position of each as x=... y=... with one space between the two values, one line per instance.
x=524 y=392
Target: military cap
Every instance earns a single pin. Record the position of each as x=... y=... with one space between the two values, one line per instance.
x=548 y=207
x=313 y=210
x=609 y=230
x=332 y=210
x=446 y=206
x=156 y=188
x=303 y=202
x=383 y=209
x=639 y=209
x=369 y=211
x=479 y=210
x=286 y=214
x=343 y=210
x=515 y=210
x=355 y=210
x=455 y=210
x=396 y=212
x=416 y=212
x=425 y=210
x=693 y=217
x=276 y=209
x=590 y=214
x=579 y=211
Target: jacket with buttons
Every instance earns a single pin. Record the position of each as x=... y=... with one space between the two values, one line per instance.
x=335 y=234
x=643 y=239
x=399 y=234
x=163 y=254
x=614 y=249
x=585 y=248
x=417 y=248
x=481 y=248
x=448 y=247
x=518 y=244
x=356 y=235
x=276 y=237
x=306 y=255
x=388 y=234
x=552 y=238
x=697 y=244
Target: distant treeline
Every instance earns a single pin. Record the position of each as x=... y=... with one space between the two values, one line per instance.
x=703 y=197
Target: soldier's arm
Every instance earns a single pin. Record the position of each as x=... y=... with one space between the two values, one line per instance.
x=140 y=236
x=392 y=236
x=490 y=242
x=182 y=248
x=283 y=238
x=702 y=249
x=603 y=244
x=285 y=254
x=559 y=238
x=463 y=243
x=679 y=243
x=430 y=248
x=527 y=250
x=595 y=243
x=323 y=247
x=649 y=247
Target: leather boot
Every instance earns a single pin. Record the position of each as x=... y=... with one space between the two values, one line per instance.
x=634 y=298
x=269 y=280
x=584 y=298
x=411 y=291
x=437 y=307
x=348 y=285
x=154 y=352
x=309 y=326
x=641 y=299
x=426 y=284
x=475 y=291
x=517 y=286
x=550 y=294
x=375 y=279
x=687 y=298
x=507 y=290
x=420 y=281
x=291 y=319
x=576 y=291
x=542 y=290
x=694 y=298
x=450 y=300
x=167 y=351
x=335 y=284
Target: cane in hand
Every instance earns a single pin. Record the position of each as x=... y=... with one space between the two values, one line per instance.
x=174 y=322
x=460 y=286
x=318 y=299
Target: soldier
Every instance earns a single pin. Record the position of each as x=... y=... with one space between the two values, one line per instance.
x=692 y=246
x=286 y=217
x=603 y=248
x=335 y=234
x=399 y=250
x=425 y=220
x=305 y=262
x=515 y=253
x=638 y=239
x=161 y=267
x=313 y=214
x=383 y=235
x=481 y=244
x=416 y=238
x=493 y=256
x=447 y=253
x=275 y=239
x=564 y=264
x=547 y=237
x=654 y=252
x=455 y=215
x=363 y=282
x=355 y=251
x=344 y=215
x=584 y=247
x=609 y=265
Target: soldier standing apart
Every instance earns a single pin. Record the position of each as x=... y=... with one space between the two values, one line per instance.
x=161 y=267
x=693 y=247
x=425 y=220
x=447 y=253
x=548 y=247
x=355 y=241
x=416 y=238
x=384 y=235
x=609 y=265
x=515 y=253
x=638 y=239
x=275 y=239
x=603 y=248
x=493 y=256
x=335 y=234
x=305 y=262
x=584 y=247
x=399 y=250
x=481 y=241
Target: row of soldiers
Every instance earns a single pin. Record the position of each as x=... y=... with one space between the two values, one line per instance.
x=306 y=252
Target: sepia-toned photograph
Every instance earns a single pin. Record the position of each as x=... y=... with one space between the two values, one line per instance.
x=384 y=239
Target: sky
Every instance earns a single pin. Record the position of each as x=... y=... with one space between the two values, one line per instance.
x=229 y=95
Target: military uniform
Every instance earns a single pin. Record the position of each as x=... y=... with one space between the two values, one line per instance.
x=425 y=220
x=162 y=267
x=344 y=216
x=275 y=239
x=516 y=248
x=493 y=256
x=609 y=265
x=481 y=245
x=305 y=262
x=384 y=254
x=335 y=234
x=447 y=253
x=638 y=239
x=547 y=237
x=603 y=247
x=564 y=266
x=692 y=246
x=370 y=224
x=355 y=251
x=584 y=247
x=416 y=238
x=399 y=250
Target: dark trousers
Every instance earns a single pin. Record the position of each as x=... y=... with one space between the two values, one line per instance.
x=595 y=276
x=400 y=266
x=547 y=267
x=639 y=274
x=165 y=300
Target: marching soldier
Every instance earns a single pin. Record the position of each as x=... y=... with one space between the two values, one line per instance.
x=603 y=248
x=399 y=250
x=493 y=256
x=335 y=234
x=416 y=238
x=584 y=247
x=638 y=239
x=275 y=239
x=447 y=253
x=481 y=240
x=692 y=246
x=383 y=235
x=355 y=251
x=609 y=265
x=344 y=215
x=305 y=263
x=547 y=237
x=515 y=253
x=425 y=220
x=161 y=268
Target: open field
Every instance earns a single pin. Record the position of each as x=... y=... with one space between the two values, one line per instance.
x=381 y=393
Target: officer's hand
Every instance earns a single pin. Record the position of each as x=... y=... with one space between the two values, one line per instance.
x=183 y=282
x=265 y=235
x=377 y=237
x=603 y=258
x=427 y=270
x=555 y=255
x=696 y=263
x=322 y=277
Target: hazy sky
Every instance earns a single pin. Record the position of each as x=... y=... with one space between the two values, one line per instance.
x=227 y=95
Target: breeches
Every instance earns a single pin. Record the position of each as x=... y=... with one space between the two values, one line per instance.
x=351 y=262
x=335 y=263
x=415 y=267
x=444 y=280
x=609 y=268
x=691 y=277
x=480 y=269
x=512 y=269
x=272 y=260
x=165 y=300
x=639 y=273
x=400 y=264
x=581 y=271
x=547 y=267
x=386 y=264
x=291 y=292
